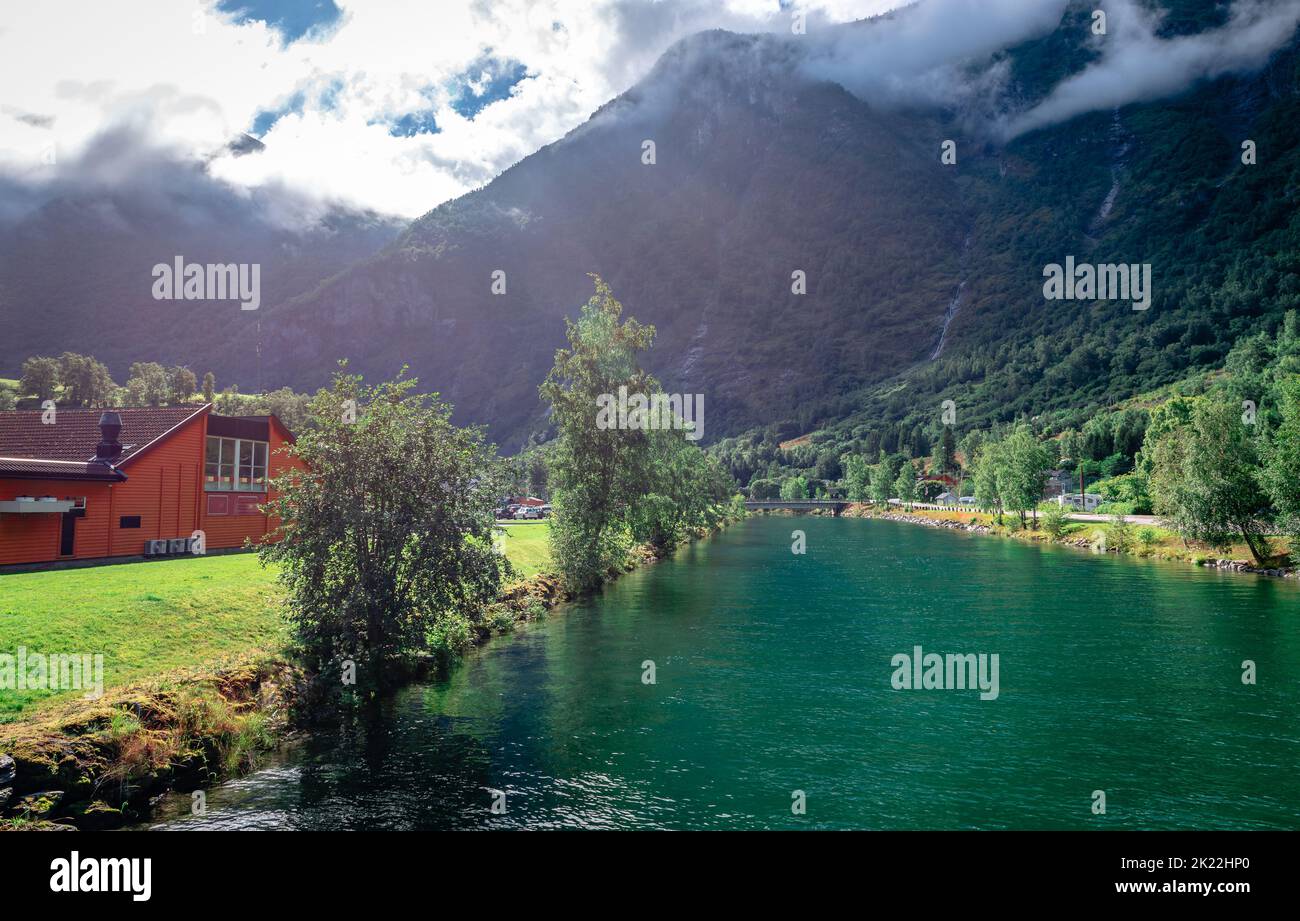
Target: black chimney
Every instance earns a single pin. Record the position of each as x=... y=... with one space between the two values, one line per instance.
x=110 y=426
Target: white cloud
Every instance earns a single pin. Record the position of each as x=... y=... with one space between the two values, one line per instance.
x=190 y=80
x=1136 y=65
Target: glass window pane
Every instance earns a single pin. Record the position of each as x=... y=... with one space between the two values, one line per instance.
x=259 y=465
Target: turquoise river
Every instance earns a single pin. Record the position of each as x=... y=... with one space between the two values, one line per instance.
x=773 y=688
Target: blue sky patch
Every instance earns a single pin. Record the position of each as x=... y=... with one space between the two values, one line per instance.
x=484 y=82
x=291 y=18
x=413 y=123
x=325 y=99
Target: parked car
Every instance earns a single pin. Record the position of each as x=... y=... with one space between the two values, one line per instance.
x=532 y=511
x=967 y=500
x=522 y=512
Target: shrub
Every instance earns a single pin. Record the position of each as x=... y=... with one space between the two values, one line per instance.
x=1119 y=535
x=499 y=619
x=1055 y=518
x=451 y=635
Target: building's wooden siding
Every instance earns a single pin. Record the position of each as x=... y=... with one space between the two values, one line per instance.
x=154 y=491
x=164 y=488
x=230 y=530
x=35 y=538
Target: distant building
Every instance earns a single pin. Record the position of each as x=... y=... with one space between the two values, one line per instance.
x=945 y=498
x=530 y=501
x=1058 y=483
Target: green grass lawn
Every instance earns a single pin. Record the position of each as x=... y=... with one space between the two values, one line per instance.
x=527 y=548
x=144 y=618
x=164 y=615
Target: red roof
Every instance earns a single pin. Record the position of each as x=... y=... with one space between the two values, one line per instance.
x=66 y=447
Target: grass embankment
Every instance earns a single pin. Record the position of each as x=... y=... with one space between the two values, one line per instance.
x=145 y=619
x=195 y=678
x=166 y=616
x=1139 y=540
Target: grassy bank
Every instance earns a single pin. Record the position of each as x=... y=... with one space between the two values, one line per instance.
x=1138 y=540
x=155 y=618
x=145 y=619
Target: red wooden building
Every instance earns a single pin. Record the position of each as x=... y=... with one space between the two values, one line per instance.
x=92 y=485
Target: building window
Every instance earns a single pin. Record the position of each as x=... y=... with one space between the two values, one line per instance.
x=234 y=465
x=129 y=521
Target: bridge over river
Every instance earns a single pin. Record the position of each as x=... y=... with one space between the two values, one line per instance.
x=795 y=505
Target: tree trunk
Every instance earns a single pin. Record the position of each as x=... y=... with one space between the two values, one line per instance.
x=1250 y=542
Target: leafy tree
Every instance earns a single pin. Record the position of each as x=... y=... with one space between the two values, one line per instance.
x=857 y=473
x=1203 y=479
x=1174 y=414
x=293 y=409
x=182 y=384
x=1119 y=535
x=8 y=400
x=881 y=482
x=86 y=382
x=946 y=455
x=386 y=545
x=537 y=475
x=1023 y=473
x=596 y=472
x=795 y=487
x=970 y=447
x=828 y=465
x=1280 y=477
x=988 y=472
x=40 y=378
x=229 y=402
x=209 y=387
x=685 y=492
x=148 y=384
x=905 y=485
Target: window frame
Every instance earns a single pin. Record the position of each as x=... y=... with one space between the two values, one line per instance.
x=232 y=474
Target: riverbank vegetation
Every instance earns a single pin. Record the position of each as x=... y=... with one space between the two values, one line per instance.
x=387 y=544
x=1113 y=535
x=613 y=486
x=1216 y=456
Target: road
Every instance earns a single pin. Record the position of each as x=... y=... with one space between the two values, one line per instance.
x=1131 y=519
